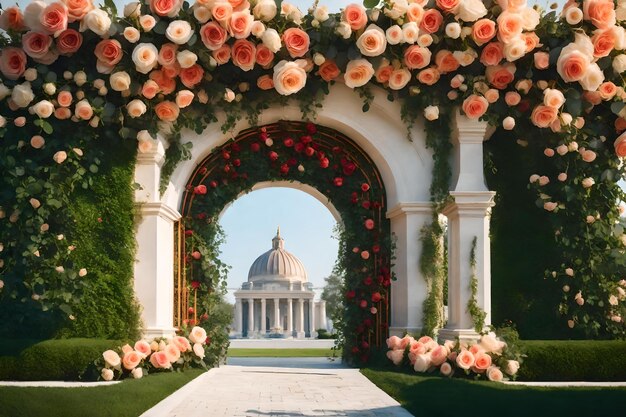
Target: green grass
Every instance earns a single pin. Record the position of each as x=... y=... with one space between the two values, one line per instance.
x=442 y=397
x=283 y=353
x=128 y=399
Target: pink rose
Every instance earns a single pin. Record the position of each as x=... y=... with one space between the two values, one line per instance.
x=446 y=62
x=54 y=17
x=587 y=155
x=601 y=13
x=448 y=6
x=150 y=89
x=446 y=369
x=550 y=206
x=222 y=55
x=296 y=41
x=131 y=360
x=264 y=56
x=620 y=146
x=160 y=360
x=475 y=106
x=428 y=76
x=35 y=44
x=572 y=64
x=169 y=8
x=393 y=342
x=483 y=31
x=417 y=57
x=395 y=356
x=69 y=41
x=167 y=111
x=12 y=62
x=494 y=374
x=213 y=35
x=191 y=76
x=143 y=347
x=543 y=116
x=603 y=43
x=492 y=54
x=167 y=54
x=12 y=19
x=329 y=70
x=465 y=359
x=542 y=60
x=244 y=54
x=241 y=24
x=265 y=82
x=109 y=52
x=83 y=110
x=182 y=343
x=431 y=21
x=172 y=352
x=184 y=98
x=482 y=361
x=607 y=91
x=355 y=16
x=222 y=12
x=438 y=355
x=500 y=76
x=77 y=9
x=510 y=26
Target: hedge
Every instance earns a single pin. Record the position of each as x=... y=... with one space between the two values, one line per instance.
x=573 y=360
x=59 y=359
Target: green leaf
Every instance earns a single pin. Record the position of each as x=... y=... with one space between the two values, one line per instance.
x=370 y=4
x=47 y=127
x=617 y=106
x=111 y=5
x=64 y=307
x=160 y=27
x=93 y=168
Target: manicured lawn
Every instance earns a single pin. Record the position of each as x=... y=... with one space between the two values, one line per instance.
x=128 y=399
x=435 y=396
x=283 y=353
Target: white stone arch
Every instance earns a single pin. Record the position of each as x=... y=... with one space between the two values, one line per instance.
x=405 y=167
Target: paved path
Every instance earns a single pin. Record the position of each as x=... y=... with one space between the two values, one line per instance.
x=279 y=387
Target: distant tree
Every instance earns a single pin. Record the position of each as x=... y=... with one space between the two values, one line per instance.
x=332 y=294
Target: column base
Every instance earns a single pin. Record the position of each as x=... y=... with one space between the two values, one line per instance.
x=300 y=335
x=464 y=335
x=152 y=332
x=401 y=331
x=313 y=335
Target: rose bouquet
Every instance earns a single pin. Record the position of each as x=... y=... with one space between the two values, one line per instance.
x=489 y=357
x=177 y=353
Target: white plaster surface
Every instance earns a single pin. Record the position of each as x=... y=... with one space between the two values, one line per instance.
x=281 y=344
x=56 y=384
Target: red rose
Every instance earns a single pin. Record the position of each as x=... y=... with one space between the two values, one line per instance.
x=195 y=284
x=264 y=136
x=523 y=106
x=376 y=248
x=273 y=156
x=299 y=147
x=213 y=184
x=367 y=323
x=288 y=142
x=376 y=297
x=205 y=316
x=188 y=232
x=237 y=162
x=386 y=282
x=309 y=151
x=311 y=128
x=200 y=189
x=226 y=168
x=369 y=224
x=355 y=349
x=354 y=198
x=207 y=341
x=338 y=181
x=203 y=170
x=255 y=147
x=225 y=155
x=349 y=168
x=376 y=205
x=336 y=149
x=201 y=216
x=350 y=294
x=366 y=205
x=368 y=281
x=363 y=304
x=306 y=139
x=196 y=255
x=292 y=162
x=190 y=310
x=284 y=169
x=365 y=345
x=324 y=162
x=365 y=187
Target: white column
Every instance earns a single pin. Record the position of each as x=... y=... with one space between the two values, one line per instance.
x=263 y=316
x=409 y=290
x=322 y=320
x=238 y=316
x=154 y=272
x=277 y=324
x=312 y=328
x=250 y=316
x=289 y=317
x=300 y=329
x=468 y=218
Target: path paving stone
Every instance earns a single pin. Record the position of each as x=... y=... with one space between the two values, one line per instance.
x=279 y=387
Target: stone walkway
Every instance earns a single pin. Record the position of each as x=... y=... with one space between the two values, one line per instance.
x=280 y=387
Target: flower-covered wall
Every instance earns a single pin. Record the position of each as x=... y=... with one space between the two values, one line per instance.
x=76 y=77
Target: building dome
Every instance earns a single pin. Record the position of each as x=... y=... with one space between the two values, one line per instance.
x=277 y=265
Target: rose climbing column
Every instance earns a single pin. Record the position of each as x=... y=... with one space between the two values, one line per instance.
x=154 y=262
x=468 y=219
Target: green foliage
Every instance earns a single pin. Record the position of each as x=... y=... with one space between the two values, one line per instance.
x=333 y=295
x=432 y=269
x=478 y=314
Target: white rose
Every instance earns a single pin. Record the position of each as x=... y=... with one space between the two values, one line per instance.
x=321 y=14
x=137 y=373
x=318 y=59
x=49 y=88
x=588 y=182
x=144 y=135
x=372 y=41
x=530 y=18
x=422 y=362
x=229 y=95
x=271 y=39
x=410 y=32
x=453 y=30
x=619 y=65
x=80 y=78
x=145 y=57
x=107 y=374
x=22 y=94
x=197 y=335
x=131 y=34
x=620 y=37
x=257 y=29
x=3 y=123
x=111 y=358
x=471 y=10
x=515 y=49
x=344 y=30
x=553 y=98
x=198 y=349
x=30 y=74
x=289 y=76
x=394 y=35
x=186 y=58
x=291 y=12
x=96 y=20
x=120 y=81
x=43 y=109
x=398 y=9
x=32 y=14
x=132 y=9
x=466 y=57
x=431 y=113
x=265 y=10
x=508 y=123
x=424 y=40
x=399 y=78
x=511 y=367
x=620 y=12
x=201 y=13
x=592 y=78
x=6 y=91
x=136 y=108
x=179 y=32
x=573 y=15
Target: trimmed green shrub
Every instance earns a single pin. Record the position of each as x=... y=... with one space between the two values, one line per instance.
x=60 y=359
x=7 y=367
x=573 y=360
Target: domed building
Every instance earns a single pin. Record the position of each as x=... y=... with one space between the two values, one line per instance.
x=277 y=300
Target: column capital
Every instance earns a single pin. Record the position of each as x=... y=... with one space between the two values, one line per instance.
x=419 y=207
x=466 y=130
x=156 y=154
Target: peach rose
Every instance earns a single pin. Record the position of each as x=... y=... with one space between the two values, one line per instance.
x=494 y=374
x=465 y=359
x=120 y=81
x=417 y=57
x=184 y=98
x=60 y=157
x=394 y=35
x=167 y=54
x=607 y=90
x=12 y=62
x=542 y=60
x=543 y=116
x=415 y=13
x=393 y=342
x=172 y=352
x=62 y=113
x=601 y=13
x=77 y=9
x=167 y=111
x=289 y=77
x=553 y=98
x=329 y=70
x=69 y=41
x=492 y=54
x=244 y=54
x=83 y=110
x=147 y=22
x=572 y=64
x=197 y=335
x=131 y=360
x=510 y=26
x=395 y=356
x=550 y=206
x=399 y=79
x=428 y=76
x=492 y=95
x=603 y=43
x=222 y=12
x=43 y=109
x=358 y=73
x=439 y=355
x=264 y=57
x=620 y=146
x=265 y=82
x=111 y=358
x=109 y=52
x=53 y=18
x=107 y=374
x=143 y=348
x=475 y=106
x=213 y=35
x=482 y=361
x=37 y=142
x=355 y=16
x=512 y=98
x=36 y=45
x=198 y=350
x=182 y=344
x=136 y=108
x=500 y=76
x=383 y=73
x=416 y=347
x=160 y=360
x=221 y=55
x=191 y=76
x=406 y=341
x=241 y=24
x=446 y=62
x=169 y=8
x=483 y=31
x=372 y=41
x=145 y=57
x=12 y=19
x=431 y=21
x=296 y=41
x=150 y=89
x=448 y=6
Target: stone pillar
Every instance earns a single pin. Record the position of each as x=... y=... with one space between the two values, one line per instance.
x=312 y=332
x=323 y=324
x=238 y=316
x=409 y=291
x=300 y=329
x=263 y=316
x=290 y=317
x=468 y=219
x=250 y=317
x=154 y=260
x=277 y=324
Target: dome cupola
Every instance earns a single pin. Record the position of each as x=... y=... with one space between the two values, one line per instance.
x=277 y=265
